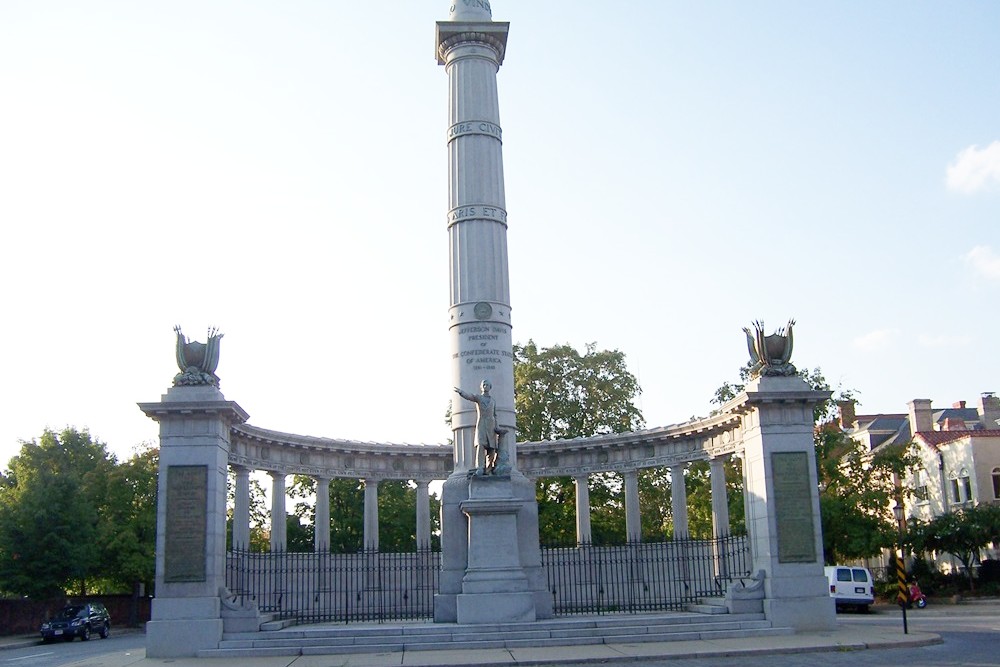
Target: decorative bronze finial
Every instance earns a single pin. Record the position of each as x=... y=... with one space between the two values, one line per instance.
x=770 y=355
x=197 y=361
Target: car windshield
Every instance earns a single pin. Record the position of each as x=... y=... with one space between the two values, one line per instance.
x=72 y=612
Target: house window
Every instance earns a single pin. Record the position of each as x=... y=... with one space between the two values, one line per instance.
x=920 y=485
x=961 y=486
x=996 y=482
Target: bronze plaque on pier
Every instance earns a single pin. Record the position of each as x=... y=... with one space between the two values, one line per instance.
x=187 y=495
x=793 y=508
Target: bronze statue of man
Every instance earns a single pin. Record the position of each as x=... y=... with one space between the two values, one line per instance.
x=487 y=431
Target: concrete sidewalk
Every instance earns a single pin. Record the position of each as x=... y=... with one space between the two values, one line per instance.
x=845 y=638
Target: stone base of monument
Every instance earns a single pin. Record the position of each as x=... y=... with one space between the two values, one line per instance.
x=498 y=575
x=181 y=627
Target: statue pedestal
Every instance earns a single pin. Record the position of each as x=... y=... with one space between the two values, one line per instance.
x=190 y=519
x=495 y=587
x=781 y=491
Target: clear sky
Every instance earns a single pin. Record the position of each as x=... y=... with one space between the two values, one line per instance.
x=674 y=171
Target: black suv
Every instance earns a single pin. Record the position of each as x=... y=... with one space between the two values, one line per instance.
x=78 y=620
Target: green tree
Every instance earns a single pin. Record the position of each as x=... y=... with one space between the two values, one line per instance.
x=51 y=501
x=128 y=520
x=963 y=533
x=560 y=393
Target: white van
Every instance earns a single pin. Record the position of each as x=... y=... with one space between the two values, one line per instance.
x=851 y=586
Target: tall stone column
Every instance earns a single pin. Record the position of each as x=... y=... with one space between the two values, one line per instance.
x=279 y=515
x=471 y=47
x=321 y=539
x=633 y=519
x=241 y=509
x=190 y=519
x=371 y=515
x=423 y=516
x=720 y=497
x=678 y=501
x=583 y=535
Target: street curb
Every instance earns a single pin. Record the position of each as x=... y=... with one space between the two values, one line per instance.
x=19 y=643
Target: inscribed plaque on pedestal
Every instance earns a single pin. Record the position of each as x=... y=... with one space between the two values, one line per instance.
x=793 y=507
x=187 y=494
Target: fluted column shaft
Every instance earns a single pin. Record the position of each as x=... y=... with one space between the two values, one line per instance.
x=423 y=517
x=371 y=515
x=720 y=498
x=479 y=315
x=321 y=539
x=279 y=520
x=633 y=520
x=583 y=534
x=241 y=508
x=678 y=500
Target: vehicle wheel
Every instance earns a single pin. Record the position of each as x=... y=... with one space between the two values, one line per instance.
x=85 y=635
x=921 y=603
x=105 y=630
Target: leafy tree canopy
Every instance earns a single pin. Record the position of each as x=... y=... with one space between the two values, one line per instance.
x=51 y=501
x=561 y=393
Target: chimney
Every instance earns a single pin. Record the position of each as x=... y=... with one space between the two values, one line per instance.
x=848 y=417
x=989 y=410
x=953 y=424
x=920 y=415
x=958 y=404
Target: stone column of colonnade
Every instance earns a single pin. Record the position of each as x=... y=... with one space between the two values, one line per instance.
x=241 y=509
x=633 y=519
x=583 y=533
x=321 y=538
x=279 y=521
x=678 y=501
x=720 y=498
x=371 y=515
x=423 y=516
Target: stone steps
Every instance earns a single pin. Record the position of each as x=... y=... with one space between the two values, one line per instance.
x=344 y=639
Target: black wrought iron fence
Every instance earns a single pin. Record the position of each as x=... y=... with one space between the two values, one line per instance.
x=642 y=576
x=318 y=587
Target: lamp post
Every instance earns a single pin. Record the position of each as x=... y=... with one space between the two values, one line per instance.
x=904 y=592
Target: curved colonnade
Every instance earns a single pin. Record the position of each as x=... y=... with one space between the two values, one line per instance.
x=281 y=454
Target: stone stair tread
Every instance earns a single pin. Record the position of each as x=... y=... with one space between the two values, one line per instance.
x=621 y=629
x=708 y=609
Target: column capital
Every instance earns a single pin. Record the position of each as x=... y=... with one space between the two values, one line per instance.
x=450 y=34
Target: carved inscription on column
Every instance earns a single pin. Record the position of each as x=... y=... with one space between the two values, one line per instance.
x=187 y=496
x=793 y=507
x=485 y=346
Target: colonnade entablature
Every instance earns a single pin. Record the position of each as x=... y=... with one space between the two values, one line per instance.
x=276 y=452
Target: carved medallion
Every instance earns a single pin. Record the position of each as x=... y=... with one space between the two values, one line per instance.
x=483 y=310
